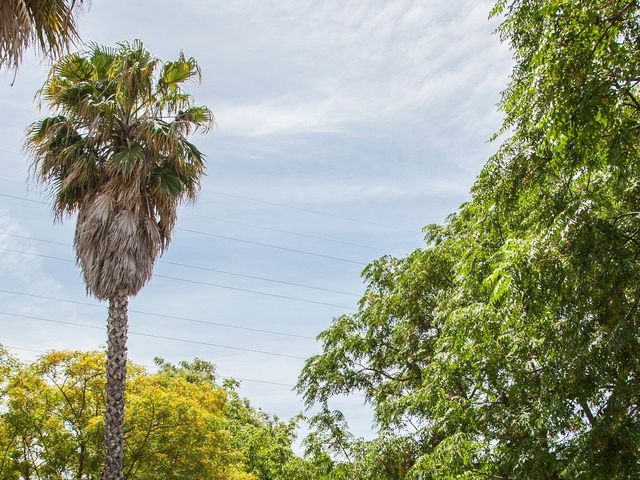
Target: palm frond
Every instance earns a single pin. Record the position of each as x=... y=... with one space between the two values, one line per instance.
x=193 y=119
x=175 y=73
x=116 y=152
x=126 y=160
x=47 y=25
x=101 y=57
x=73 y=68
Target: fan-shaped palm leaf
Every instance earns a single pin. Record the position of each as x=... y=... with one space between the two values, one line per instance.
x=49 y=25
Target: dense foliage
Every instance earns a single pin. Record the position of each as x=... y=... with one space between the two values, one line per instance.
x=263 y=440
x=508 y=347
x=181 y=424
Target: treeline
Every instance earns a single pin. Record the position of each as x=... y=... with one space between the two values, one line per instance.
x=509 y=346
x=181 y=424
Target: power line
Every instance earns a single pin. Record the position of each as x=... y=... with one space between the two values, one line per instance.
x=289 y=232
x=237 y=289
x=283 y=282
x=158 y=315
x=153 y=366
x=197 y=267
x=276 y=204
x=300 y=209
x=225 y=237
x=26 y=199
x=39 y=240
x=51 y=257
x=261 y=227
x=149 y=366
x=22 y=348
x=160 y=337
x=216 y=285
x=269 y=245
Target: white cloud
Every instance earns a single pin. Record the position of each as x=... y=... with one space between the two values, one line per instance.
x=364 y=62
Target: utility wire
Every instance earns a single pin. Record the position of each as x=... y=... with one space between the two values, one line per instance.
x=51 y=257
x=158 y=315
x=300 y=209
x=26 y=199
x=283 y=282
x=252 y=225
x=233 y=239
x=273 y=204
x=197 y=267
x=288 y=232
x=286 y=297
x=216 y=285
x=39 y=240
x=160 y=337
x=155 y=366
x=269 y=245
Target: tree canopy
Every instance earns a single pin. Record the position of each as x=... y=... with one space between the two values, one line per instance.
x=53 y=423
x=181 y=423
x=508 y=346
x=115 y=150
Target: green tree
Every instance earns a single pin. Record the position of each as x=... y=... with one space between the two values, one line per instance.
x=508 y=346
x=47 y=24
x=333 y=453
x=116 y=153
x=263 y=439
x=52 y=423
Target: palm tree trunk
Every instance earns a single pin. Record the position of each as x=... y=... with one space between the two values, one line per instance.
x=116 y=376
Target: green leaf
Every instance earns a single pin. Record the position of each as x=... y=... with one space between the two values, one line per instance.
x=128 y=159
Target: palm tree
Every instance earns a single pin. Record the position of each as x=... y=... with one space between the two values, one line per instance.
x=116 y=153
x=47 y=24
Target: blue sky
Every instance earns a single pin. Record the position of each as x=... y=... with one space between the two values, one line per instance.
x=343 y=127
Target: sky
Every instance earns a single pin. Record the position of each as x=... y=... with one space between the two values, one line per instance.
x=342 y=129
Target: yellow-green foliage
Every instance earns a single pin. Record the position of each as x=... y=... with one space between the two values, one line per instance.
x=52 y=426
